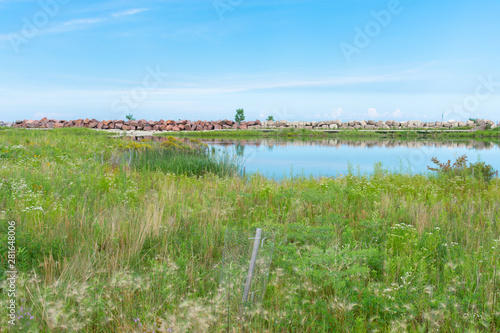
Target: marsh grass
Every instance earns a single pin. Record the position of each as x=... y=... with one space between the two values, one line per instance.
x=111 y=247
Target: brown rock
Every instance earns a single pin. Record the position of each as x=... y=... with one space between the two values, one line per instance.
x=86 y=121
x=106 y=122
x=188 y=127
x=156 y=127
x=257 y=122
x=50 y=125
x=134 y=123
x=92 y=124
x=150 y=123
x=243 y=127
x=119 y=126
x=176 y=129
x=169 y=127
x=217 y=127
x=125 y=127
x=99 y=125
x=182 y=127
x=43 y=119
x=58 y=125
x=148 y=128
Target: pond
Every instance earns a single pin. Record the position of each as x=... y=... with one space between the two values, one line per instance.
x=276 y=158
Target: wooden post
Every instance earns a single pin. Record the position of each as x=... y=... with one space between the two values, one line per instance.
x=251 y=269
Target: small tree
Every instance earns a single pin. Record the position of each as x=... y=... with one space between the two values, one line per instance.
x=130 y=117
x=270 y=118
x=240 y=116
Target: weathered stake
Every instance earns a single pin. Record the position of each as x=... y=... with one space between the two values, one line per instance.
x=253 y=260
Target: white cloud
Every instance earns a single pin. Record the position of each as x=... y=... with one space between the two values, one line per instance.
x=373 y=113
x=397 y=113
x=336 y=113
x=130 y=12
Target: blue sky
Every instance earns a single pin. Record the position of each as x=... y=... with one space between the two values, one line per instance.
x=295 y=60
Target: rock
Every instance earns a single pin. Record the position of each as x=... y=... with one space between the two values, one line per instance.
x=148 y=128
x=169 y=127
x=333 y=126
x=176 y=129
x=126 y=127
x=371 y=122
x=363 y=123
x=134 y=123
x=60 y=125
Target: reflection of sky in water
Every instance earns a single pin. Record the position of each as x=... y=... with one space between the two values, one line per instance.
x=327 y=159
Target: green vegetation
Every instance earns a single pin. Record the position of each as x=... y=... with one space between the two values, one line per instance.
x=270 y=118
x=479 y=170
x=130 y=117
x=240 y=116
x=175 y=156
x=109 y=243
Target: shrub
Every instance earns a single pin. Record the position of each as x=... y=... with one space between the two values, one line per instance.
x=479 y=170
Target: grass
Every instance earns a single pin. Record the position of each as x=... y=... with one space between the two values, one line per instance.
x=108 y=245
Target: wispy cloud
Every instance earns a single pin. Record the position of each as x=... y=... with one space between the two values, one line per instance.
x=80 y=23
x=129 y=12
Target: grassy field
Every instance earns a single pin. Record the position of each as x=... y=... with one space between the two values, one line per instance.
x=117 y=236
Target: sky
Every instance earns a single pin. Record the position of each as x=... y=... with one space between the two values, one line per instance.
x=294 y=60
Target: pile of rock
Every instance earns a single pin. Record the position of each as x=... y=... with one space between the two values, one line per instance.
x=6 y=124
x=142 y=124
x=203 y=125
x=381 y=125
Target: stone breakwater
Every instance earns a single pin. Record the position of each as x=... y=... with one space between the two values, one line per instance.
x=203 y=125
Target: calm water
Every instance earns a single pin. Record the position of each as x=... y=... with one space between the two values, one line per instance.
x=330 y=157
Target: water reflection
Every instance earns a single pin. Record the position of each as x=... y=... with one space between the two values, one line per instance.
x=337 y=143
x=331 y=156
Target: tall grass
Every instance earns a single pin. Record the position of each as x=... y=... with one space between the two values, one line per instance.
x=113 y=247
